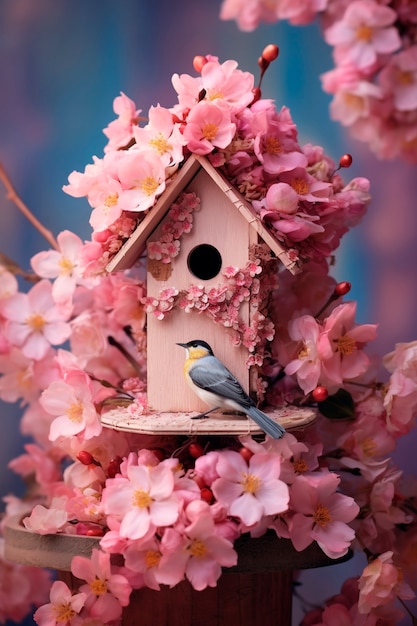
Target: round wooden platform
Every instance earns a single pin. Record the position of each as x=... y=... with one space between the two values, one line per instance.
x=217 y=423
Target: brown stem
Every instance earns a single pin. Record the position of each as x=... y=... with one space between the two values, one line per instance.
x=15 y=198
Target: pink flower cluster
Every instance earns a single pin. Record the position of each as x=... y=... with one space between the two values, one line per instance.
x=294 y=189
x=179 y=221
x=374 y=81
x=74 y=344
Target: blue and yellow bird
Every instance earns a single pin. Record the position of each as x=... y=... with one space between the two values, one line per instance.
x=218 y=388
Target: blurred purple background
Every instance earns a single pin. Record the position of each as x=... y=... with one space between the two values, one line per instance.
x=61 y=65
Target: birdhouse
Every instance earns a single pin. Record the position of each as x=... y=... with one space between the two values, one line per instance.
x=200 y=238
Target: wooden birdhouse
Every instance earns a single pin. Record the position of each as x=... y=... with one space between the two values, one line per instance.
x=224 y=230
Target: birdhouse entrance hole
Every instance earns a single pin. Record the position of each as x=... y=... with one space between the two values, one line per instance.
x=204 y=261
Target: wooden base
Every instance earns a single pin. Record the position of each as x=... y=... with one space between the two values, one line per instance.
x=239 y=599
x=130 y=419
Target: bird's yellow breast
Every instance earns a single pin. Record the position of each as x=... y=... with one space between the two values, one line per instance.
x=193 y=355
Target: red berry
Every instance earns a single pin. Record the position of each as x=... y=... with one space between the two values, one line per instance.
x=270 y=52
x=207 y=495
x=342 y=288
x=320 y=394
x=113 y=467
x=198 y=62
x=345 y=160
x=95 y=531
x=199 y=480
x=86 y=458
x=195 y=449
x=246 y=453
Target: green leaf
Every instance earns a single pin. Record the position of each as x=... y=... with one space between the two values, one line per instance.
x=339 y=406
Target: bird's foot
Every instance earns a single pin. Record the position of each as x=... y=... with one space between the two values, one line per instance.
x=201 y=416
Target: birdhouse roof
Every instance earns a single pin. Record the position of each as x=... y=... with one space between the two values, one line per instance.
x=132 y=249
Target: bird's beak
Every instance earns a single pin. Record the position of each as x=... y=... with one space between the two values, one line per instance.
x=183 y=345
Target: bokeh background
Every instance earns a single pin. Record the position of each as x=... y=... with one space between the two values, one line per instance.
x=62 y=62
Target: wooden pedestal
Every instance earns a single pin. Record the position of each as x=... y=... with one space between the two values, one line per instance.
x=256 y=592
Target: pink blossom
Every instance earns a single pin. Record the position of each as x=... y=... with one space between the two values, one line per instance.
x=105 y=592
x=142 y=499
x=305 y=331
x=34 y=321
x=321 y=514
x=380 y=582
x=161 y=135
x=225 y=83
x=208 y=126
x=399 y=77
x=281 y=197
x=198 y=552
x=62 y=265
x=142 y=174
x=250 y=491
x=365 y=31
x=44 y=520
x=400 y=400
x=71 y=401
x=120 y=130
x=345 y=340
x=64 y=608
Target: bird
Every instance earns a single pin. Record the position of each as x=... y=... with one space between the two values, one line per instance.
x=218 y=388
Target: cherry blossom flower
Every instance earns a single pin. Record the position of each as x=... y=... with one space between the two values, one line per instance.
x=161 y=135
x=142 y=175
x=250 y=491
x=198 y=552
x=120 y=131
x=305 y=331
x=64 y=607
x=208 y=125
x=365 y=31
x=322 y=515
x=142 y=499
x=345 y=340
x=46 y=520
x=34 y=321
x=62 y=265
x=105 y=592
x=380 y=582
x=71 y=401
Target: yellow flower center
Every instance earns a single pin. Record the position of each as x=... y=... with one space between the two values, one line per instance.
x=160 y=144
x=36 y=321
x=346 y=345
x=209 y=131
x=300 y=185
x=405 y=77
x=65 y=265
x=111 y=200
x=272 y=145
x=197 y=548
x=152 y=558
x=214 y=95
x=353 y=101
x=250 y=483
x=141 y=499
x=75 y=412
x=303 y=352
x=149 y=185
x=364 y=33
x=322 y=515
x=98 y=587
x=368 y=446
x=300 y=466
x=63 y=612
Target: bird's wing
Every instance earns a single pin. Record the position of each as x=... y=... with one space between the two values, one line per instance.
x=215 y=377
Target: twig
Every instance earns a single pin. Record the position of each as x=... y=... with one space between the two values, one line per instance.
x=14 y=197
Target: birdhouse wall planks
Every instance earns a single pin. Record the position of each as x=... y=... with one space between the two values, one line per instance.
x=220 y=234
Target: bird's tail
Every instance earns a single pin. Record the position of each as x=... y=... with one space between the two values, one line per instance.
x=266 y=423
